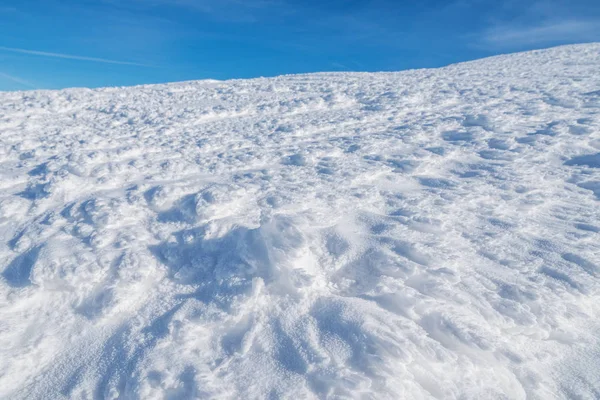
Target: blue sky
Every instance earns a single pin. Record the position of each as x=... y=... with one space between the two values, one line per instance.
x=50 y=44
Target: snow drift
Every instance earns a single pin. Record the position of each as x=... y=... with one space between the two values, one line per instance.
x=422 y=234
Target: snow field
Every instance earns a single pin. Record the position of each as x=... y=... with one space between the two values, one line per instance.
x=422 y=234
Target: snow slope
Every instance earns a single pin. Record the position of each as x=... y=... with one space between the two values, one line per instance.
x=413 y=235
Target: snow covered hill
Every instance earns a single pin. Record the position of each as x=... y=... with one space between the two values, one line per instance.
x=413 y=235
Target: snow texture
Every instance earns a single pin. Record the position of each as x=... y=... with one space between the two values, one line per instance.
x=414 y=235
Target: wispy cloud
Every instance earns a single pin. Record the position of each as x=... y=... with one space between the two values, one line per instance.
x=18 y=80
x=545 y=33
x=6 y=10
x=236 y=11
x=70 y=56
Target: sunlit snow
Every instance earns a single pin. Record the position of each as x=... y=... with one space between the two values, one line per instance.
x=414 y=235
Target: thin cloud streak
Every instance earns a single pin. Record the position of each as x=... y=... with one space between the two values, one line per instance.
x=71 y=57
x=18 y=80
x=561 y=31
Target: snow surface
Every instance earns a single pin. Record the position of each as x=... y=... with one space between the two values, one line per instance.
x=413 y=235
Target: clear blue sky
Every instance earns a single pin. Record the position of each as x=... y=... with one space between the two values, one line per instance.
x=64 y=43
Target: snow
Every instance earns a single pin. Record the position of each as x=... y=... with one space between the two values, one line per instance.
x=422 y=234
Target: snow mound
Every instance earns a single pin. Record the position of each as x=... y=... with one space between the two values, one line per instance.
x=422 y=234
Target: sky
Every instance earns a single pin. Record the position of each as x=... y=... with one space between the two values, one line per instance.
x=52 y=44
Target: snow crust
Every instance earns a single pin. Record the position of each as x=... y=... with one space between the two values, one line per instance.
x=414 y=235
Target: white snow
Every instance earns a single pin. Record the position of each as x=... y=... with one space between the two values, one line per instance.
x=413 y=235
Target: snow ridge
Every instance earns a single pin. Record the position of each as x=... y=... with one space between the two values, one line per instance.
x=422 y=234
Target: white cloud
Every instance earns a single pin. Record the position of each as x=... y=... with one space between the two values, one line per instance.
x=222 y=10
x=567 y=31
x=70 y=56
x=8 y=10
x=18 y=80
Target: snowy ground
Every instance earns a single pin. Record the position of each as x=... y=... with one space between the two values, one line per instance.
x=423 y=234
